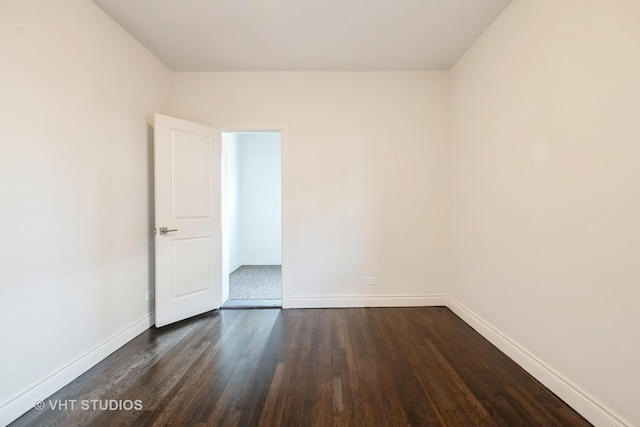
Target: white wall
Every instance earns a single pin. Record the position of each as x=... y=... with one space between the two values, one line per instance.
x=231 y=202
x=260 y=198
x=76 y=94
x=369 y=150
x=546 y=207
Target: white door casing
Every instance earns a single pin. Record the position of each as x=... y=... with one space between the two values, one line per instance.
x=188 y=200
x=283 y=129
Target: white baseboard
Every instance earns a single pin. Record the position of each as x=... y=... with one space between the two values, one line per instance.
x=585 y=404
x=262 y=261
x=341 y=301
x=233 y=268
x=23 y=402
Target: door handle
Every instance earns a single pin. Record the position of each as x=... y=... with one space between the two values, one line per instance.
x=163 y=231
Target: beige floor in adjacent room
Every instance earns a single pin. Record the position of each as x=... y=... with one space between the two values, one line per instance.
x=255 y=286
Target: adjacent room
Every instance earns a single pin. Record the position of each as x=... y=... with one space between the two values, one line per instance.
x=252 y=185
x=319 y=213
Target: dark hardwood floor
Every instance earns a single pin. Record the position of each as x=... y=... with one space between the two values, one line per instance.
x=341 y=367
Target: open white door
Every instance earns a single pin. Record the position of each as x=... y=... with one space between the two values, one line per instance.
x=187 y=219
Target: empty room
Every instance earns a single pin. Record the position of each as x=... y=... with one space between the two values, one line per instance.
x=442 y=197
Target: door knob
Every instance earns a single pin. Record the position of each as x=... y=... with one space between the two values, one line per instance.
x=163 y=230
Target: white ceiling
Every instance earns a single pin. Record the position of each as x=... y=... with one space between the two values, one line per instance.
x=340 y=35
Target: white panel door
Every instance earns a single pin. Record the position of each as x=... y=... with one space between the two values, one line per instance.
x=187 y=219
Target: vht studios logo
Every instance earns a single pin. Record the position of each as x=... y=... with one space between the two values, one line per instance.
x=90 y=405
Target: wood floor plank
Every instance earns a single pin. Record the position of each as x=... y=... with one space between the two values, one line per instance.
x=319 y=367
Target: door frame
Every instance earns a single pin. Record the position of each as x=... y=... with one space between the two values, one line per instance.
x=283 y=128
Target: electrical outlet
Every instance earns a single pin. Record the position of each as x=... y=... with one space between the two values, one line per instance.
x=369 y=280
x=150 y=295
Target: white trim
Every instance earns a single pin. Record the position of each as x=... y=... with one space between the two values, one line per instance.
x=24 y=401
x=261 y=261
x=585 y=404
x=233 y=268
x=341 y=301
x=283 y=128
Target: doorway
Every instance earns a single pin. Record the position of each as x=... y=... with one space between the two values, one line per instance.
x=252 y=218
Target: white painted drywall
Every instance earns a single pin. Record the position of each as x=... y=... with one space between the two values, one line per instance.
x=259 y=167
x=252 y=200
x=76 y=94
x=369 y=150
x=232 y=200
x=546 y=207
